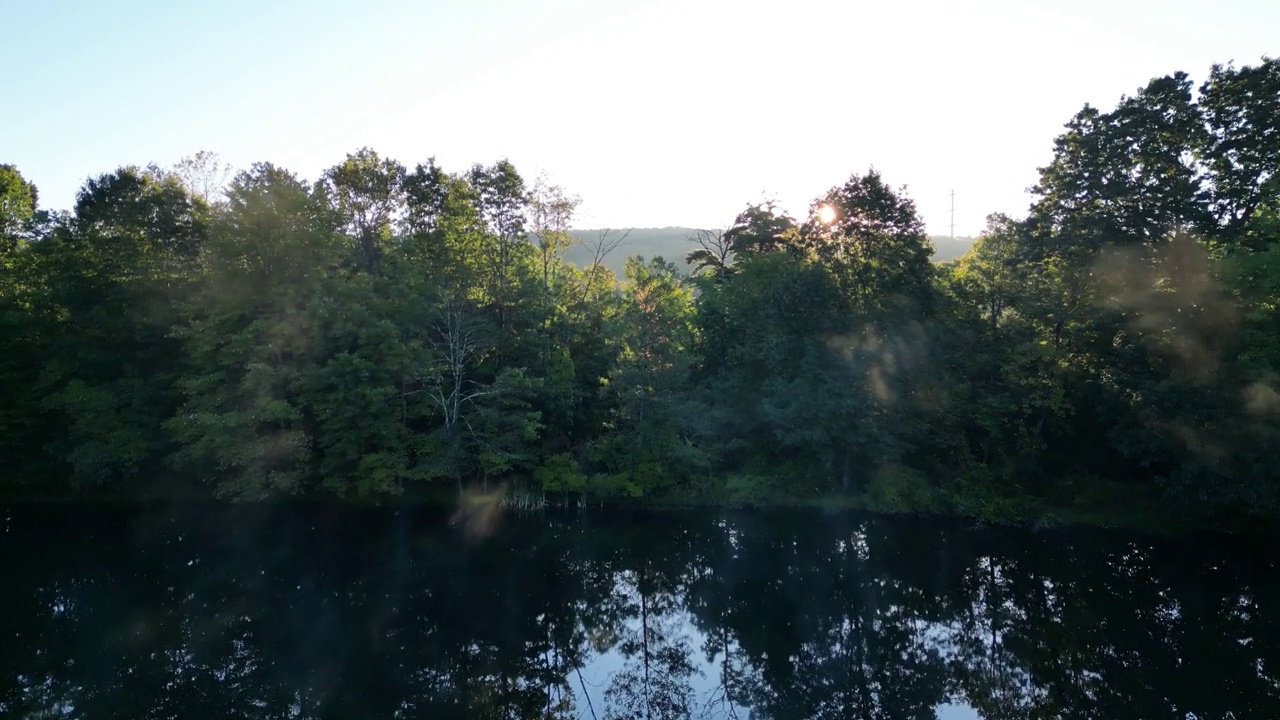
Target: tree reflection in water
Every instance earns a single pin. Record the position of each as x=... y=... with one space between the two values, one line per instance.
x=302 y=612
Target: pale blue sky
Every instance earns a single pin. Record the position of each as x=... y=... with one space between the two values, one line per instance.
x=656 y=113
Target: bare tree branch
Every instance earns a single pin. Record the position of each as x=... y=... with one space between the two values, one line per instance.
x=714 y=253
x=600 y=249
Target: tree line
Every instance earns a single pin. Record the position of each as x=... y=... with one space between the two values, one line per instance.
x=386 y=329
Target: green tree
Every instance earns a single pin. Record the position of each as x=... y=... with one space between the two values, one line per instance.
x=502 y=201
x=18 y=201
x=367 y=192
x=368 y=393
x=1005 y=384
x=26 y=320
x=761 y=228
x=1241 y=151
x=485 y=424
x=877 y=244
x=550 y=214
x=1126 y=176
x=644 y=448
x=111 y=275
x=251 y=339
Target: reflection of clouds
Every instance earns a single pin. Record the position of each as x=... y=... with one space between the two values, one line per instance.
x=601 y=668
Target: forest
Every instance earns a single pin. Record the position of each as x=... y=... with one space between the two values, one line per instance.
x=390 y=332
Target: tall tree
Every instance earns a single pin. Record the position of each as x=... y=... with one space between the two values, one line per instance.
x=251 y=341
x=204 y=175
x=502 y=201
x=761 y=228
x=115 y=269
x=654 y=329
x=877 y=239
x=1242 y=147
x=550 y=215
x=368 y=193
x=18 y=200
x=1126 y=176
x=26 y=321
x=426 y=192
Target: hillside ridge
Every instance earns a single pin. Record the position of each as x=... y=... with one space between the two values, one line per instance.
x=672 y=242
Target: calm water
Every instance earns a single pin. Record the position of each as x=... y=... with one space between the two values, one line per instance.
x=317 y=612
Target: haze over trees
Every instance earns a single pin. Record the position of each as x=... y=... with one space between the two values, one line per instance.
x=674 y=242
x=387 y=329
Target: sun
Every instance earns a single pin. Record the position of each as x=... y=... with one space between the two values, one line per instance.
x=826 y=214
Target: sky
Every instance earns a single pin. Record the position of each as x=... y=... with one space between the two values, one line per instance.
x=668 y=113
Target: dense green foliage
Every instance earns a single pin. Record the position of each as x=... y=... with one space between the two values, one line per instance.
x=385 y=329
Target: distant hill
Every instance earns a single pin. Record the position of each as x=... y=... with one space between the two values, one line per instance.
x=673 y=243
x=948 y=248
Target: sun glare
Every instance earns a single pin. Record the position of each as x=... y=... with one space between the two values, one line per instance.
x=826 y=214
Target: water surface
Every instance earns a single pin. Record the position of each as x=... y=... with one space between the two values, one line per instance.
x=291 y=611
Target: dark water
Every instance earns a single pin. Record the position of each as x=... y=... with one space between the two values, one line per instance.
x=302 y=612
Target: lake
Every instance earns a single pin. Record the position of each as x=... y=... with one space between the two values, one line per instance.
x=326 y=611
